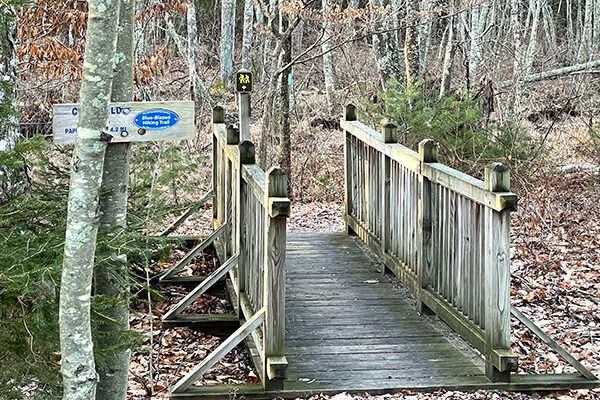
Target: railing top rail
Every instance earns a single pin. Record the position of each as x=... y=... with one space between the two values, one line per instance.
x=231 y=150
x=441 y=174
x=255 y=177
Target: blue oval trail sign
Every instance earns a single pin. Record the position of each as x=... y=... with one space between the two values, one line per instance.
x=131 y=121
x=156 y=119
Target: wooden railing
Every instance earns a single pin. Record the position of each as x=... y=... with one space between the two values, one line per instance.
x=442 y=232
x=253 y=207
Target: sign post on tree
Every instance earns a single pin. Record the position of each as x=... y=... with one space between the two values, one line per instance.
x=244 y=85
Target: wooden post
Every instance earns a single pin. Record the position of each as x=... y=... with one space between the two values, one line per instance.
x=274 y=278
x=425 y=264
x=232 y=138
x=247 y=156
x=349 y=157
x=497 y=281
x=233 y=135
x=218 y=117
x=244 y=113
x=389 y=134
x=244 y=116
x=247 y=152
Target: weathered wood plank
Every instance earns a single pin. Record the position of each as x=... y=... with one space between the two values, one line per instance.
x=211 y=324
x=497 y=281
x=183 y=217
x=553 y=345
x=427 y=153
x=403 y=155
x=213 y=278
x=219 y=352
x=469 y=187
x=255 y=178
x=193 y=253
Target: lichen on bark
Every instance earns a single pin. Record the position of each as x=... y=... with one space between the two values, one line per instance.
x=113 y=218
x=77 y=357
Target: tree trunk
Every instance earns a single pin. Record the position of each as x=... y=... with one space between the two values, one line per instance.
x=271 y=52
x=77 y=356
x=532 y=46
x=515 y=18
x=199 y=91
x=571 y=39
x=596 y=34
x=425 y=36
x=478 y=21
x=385 y=44
x=12 y=182
x=192 y=53
x=112 y=384
x=248 y=34
x=449 y=54
x=411 y=50
x=555 y=73
x=285 y=150
x=550 y=28
x=587 y=45
x=227 y=41
x=328 y=55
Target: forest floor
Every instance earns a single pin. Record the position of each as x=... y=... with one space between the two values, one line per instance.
x=555 y=248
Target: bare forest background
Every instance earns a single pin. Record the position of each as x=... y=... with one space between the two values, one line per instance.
x=512 y=81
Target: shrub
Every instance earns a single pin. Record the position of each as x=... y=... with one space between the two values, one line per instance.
x=32 y=232
x=455 y=122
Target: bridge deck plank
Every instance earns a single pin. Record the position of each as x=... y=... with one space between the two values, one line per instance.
x=348 y=327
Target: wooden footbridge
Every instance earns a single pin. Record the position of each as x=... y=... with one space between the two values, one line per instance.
x=315 y=310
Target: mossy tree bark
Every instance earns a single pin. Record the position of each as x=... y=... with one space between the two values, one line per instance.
x=112 y=384
x=77 y=357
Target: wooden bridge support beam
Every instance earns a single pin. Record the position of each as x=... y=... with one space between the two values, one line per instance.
x=231 y=190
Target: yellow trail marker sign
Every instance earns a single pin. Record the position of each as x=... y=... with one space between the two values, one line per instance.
x=138 y=121
x=244 y=82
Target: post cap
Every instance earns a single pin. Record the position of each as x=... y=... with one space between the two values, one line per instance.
x=218 y=115
x=428 y=150
x=247 y=152
x=497 y=177
x=350 y=112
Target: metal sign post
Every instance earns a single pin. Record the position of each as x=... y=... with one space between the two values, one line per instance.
x=244 y=85
x=132 y=121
